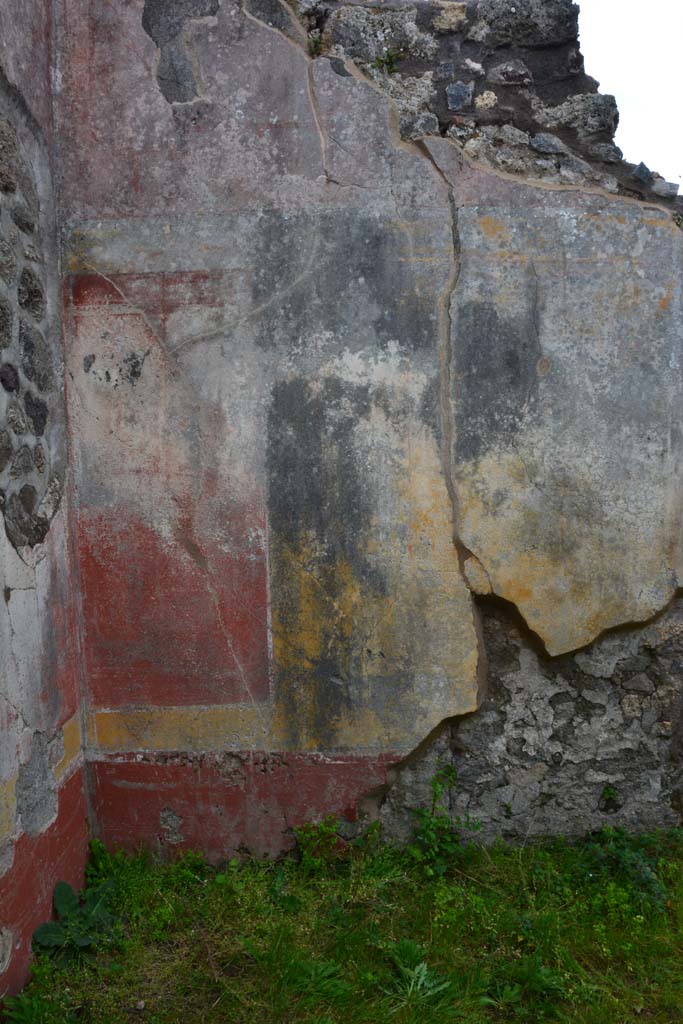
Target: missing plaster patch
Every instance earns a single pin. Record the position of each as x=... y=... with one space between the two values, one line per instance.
x=164 y=22
x=6 y=945
x=170 y=823
x=36 y=792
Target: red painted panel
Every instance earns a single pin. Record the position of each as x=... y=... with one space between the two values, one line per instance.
x=40 y=862
x=171 y=622
x=159 y=294
x=223 y=803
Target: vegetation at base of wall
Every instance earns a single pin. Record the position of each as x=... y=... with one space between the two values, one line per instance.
x=363 y=933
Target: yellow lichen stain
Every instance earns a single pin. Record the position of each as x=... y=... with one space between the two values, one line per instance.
x=71 y=733
x=666 y=299
x=494 y=229
x=8 y=807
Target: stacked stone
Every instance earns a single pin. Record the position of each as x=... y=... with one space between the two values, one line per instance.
x=504 y=80
x=28 y=493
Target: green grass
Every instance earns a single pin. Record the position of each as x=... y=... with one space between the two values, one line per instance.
x=362 y=933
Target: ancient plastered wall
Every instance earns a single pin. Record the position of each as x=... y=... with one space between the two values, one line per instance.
x=257 y=313
x=42 y=809
x=308 y=351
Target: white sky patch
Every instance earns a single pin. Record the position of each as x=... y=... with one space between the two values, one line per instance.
x=635 y=51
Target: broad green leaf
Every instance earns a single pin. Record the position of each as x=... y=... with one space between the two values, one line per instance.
x=50 y=934
x=66 y=900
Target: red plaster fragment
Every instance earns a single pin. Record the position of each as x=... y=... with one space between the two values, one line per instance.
x=223 y=813
x=58 y=854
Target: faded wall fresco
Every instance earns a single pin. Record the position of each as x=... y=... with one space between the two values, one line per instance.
x=372 y=365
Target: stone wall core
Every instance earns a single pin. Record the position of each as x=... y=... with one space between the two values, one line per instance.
x=365 y=345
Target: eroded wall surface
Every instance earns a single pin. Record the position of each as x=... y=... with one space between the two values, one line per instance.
x=337 y=368
x=42 y=807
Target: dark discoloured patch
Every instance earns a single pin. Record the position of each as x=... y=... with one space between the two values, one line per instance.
x=319 y=514
x=495 y=378
x=340 y=275
x=24 y=526
x=88 y=362
x=5 y=449
x=175 y=73
x=35 y=357
x=315 y=488
x=131 y=369
x=30 y=294
x=6 y=324
x=24 y=218
x=270 y=12
x=430 y=406
x=37 y=412
x=163 y=21
x=8 y=262
x=9 y=378
x=36 y=792
x=9 y=156
x=339 y=67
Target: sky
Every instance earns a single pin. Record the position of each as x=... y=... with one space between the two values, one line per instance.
x=635 y=50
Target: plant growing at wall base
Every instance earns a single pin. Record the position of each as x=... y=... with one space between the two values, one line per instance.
x=436 y=838
x=81 y=926
x=319 y=843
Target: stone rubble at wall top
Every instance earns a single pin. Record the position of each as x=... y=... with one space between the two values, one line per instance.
x=506 y=81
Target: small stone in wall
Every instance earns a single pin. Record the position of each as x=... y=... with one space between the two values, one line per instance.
x=35 y=357
x=606 y=151
x=39 y=458
x=23 y=218
x=9 y=378
x=445 y=71
x=459 y=95
x=16 y=420
x=474 y=68
x=665 y=189
x=5 y=449
x=420 y=125
x=36 y=410
x=22 y=463
x=486 y=100
x=512 y=72
x=639 y=683
x=643 y=174
x=370 y=35
x=9 y=154
x=30 y=294
x=587 y=114
x=451 y=17
x=6 y=324
x=545 y=143
x=8 y=262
